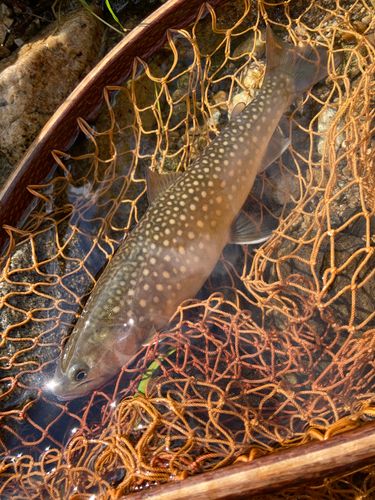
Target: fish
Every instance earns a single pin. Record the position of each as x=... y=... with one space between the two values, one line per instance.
x=192 y=216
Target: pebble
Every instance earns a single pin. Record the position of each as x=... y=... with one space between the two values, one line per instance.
x=4 y=52
x=221 y=97
x=245 y=96
x=367 y=19
x=348 y=37
x=256 y=46
x=324 y=121
x=19 y=42
x=5 y=12
x=360 y=26
x=40 y=75
x=251 y=78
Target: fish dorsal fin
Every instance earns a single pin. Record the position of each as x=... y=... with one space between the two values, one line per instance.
x=247 y=231
x=238 y=108
x=158 y=183
x=276 y=147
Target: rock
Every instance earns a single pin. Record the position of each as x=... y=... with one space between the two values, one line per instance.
x=251 y=78
x=220 y=98
x=367 y=19
x=4 y=52
x=255 y=46
x=243 y=96
x=5 y=12
x=19 y=42
x=348 y=37
x=39 y=76
x=360 y=26
x=324 y=121
x=297 y=259
x=143 y=91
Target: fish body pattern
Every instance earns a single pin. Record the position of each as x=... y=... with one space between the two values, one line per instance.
x=171 y=252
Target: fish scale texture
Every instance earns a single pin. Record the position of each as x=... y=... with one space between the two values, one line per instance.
x=277 y=347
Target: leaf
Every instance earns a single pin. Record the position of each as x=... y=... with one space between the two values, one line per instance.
x=151 y=370
x=113 y=14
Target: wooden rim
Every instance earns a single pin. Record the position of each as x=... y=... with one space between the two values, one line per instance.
x=299 y=465
x=84 y=101
x=306 y=463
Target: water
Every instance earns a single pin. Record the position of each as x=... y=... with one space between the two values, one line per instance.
x=274 y=351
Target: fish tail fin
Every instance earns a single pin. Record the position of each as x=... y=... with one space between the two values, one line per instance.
x=303 y=65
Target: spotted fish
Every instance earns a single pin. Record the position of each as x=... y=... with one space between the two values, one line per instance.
x=171 y=252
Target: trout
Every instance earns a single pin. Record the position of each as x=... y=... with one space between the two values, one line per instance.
x=192 y=216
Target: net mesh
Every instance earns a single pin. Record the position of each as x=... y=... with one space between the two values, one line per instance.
x=277 y=348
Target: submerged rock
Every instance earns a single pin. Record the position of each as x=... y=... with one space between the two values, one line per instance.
x=325 y=119
x=38 y=77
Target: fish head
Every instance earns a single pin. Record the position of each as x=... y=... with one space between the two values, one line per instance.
x=92 y=356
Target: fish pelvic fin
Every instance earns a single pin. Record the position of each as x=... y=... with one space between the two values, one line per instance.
x=304 y=65
x=246 y=230
x=276 y=147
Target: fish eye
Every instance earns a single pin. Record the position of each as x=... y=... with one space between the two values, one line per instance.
x=78 y=373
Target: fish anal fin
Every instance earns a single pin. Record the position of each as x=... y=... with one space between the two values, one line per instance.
x=157 y=184
x=276 y=147
x=247 y=231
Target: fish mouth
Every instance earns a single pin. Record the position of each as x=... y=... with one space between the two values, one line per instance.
x=54 y=387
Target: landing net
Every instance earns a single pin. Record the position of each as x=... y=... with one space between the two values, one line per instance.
x=278 y=347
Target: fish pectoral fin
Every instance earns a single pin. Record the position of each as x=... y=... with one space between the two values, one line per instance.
x=247 y=231
x=150 y=337
x=158 y=183
x=276 y=147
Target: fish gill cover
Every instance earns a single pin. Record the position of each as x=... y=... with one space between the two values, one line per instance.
x=277 y=348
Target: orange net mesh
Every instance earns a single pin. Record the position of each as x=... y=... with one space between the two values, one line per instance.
x=278 y=346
